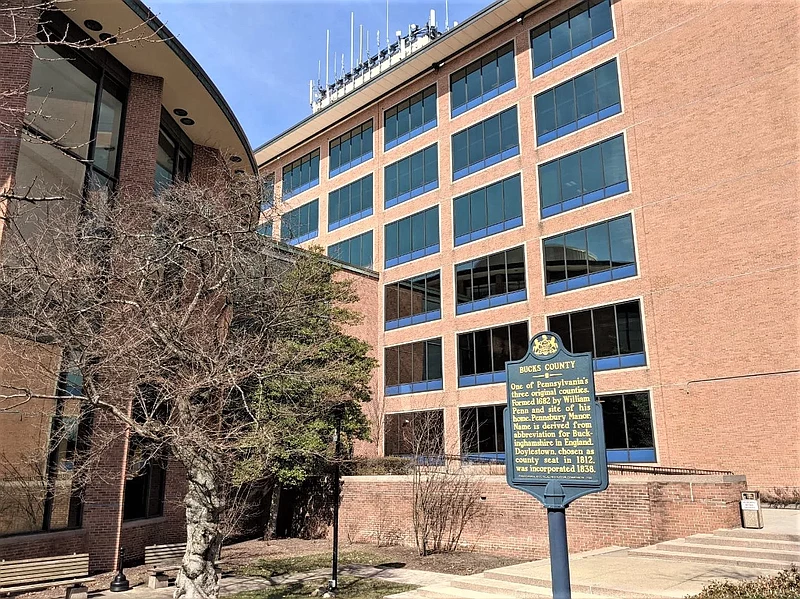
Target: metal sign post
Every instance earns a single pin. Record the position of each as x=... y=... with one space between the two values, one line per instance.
x=555 y=447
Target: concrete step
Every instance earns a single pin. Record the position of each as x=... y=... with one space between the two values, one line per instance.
x=518 y=577
x=756 y=534
x=708 y=539
x=744 y=552
x=723 y=560
x=517 y=590
x=446 y=591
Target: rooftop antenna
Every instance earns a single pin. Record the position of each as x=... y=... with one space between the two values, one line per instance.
x=335 y=76
x=360 y=43
x=319 y=72
x=351 y=40
x=367 y=44
x=341 y=73
x=327 y=55
x=311 y=92
x=446 y=17
x=387 y=23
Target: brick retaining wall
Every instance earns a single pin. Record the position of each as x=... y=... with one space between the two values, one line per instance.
x=633 y=512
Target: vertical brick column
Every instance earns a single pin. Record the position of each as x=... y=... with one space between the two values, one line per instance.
x=15 y=74
x=137 y=170
x=206 y=163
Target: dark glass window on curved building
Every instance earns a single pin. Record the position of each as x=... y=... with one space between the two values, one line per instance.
x=494 y=280
x=612 y=334
x=351 y=149
x=413 y=301
x=413 y=367
x=577 y=103
x=487 y=211
x=411 y=177
x=482 y=80
x=570 y=34
x=589 y=256
x=482 y=434
x=410 y=118
x=586 y=176
x=628 y=427
x=413 y=237
x=482 y=355
x=300 y=175
x=350 y=203
x=414 y=434
x=300 y=224
x=73 y=120
x=174 y=153
x=356 y=250
x=485 y=143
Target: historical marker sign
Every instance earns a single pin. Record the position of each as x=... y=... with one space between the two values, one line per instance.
x=555 y=446
x=554 y=425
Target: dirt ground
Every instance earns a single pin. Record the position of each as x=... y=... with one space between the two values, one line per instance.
x=461 y=562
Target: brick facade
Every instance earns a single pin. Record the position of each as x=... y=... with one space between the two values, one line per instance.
x=710 y=120
x=137 y=169
x=633 y=512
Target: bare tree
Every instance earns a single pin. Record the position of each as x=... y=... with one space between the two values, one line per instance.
x=200 y=338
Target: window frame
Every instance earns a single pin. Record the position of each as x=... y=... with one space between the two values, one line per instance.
x=435 y=457
x=491 y=93
x=298 y=164
x=593 y=42
x=492 y=377
x=424 y=385
x=412 y=255
x=347 y=138
x=419 y=318
x=598 y=277
x=487 y=161
x=389 y=202
x=647 y=455
x=619 y=361
x=496 y=300
x=353 y=216
x=389 y=144
x=579 y=123
x=604 y=193
x=482 y=457
x=349 y=240
x=311 y=234
x=489 y=230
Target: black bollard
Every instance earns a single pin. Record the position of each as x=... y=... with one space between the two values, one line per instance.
x=120 y=582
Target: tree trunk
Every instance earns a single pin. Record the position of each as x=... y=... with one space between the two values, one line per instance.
x=198 y=577
x=275 y=501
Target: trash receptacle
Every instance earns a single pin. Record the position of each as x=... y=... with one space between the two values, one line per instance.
x=751 y=510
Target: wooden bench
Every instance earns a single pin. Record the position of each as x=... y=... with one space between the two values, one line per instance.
x=162 y=559
x=23 y=575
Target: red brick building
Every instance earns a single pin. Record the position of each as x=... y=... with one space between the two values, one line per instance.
x=127 y=116
x=623 y=173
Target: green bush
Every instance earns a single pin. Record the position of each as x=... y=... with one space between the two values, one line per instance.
x=377 y=466
x=784 y=585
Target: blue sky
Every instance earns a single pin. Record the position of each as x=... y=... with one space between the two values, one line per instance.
x=262 y=53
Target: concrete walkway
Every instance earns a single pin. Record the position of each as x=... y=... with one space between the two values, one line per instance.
x=683 y=568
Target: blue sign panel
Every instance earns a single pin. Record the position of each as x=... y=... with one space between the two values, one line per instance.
x=555 y=446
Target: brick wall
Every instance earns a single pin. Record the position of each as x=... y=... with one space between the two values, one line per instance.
x=137 y=169
x=633 y=512
x=205 y=163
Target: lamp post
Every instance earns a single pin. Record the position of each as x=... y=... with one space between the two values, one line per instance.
x=120 y=582
x=338 y=413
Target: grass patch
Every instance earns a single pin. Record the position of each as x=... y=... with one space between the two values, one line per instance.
x=280 y=566
x=349 y=588
x=784 y=585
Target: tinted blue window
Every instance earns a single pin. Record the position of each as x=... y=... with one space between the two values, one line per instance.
x=482 y=355
x=571 y=34
x=583 y=177
x=410 y=118
x=487 y=210
x=413 y=301
x=628 y=427
x=411 y=176
x=612 y=334
x=482 y=434
x=482 y=80
x=265 y=229
x=300 y=224
x=413 y=237
x=591 y=255
x=356 y=250
x=494 y=280
x=485 y=143
x=577 y=103
x=302 y=174
x=350 y=203
x=351 y=149
x=413 y=367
